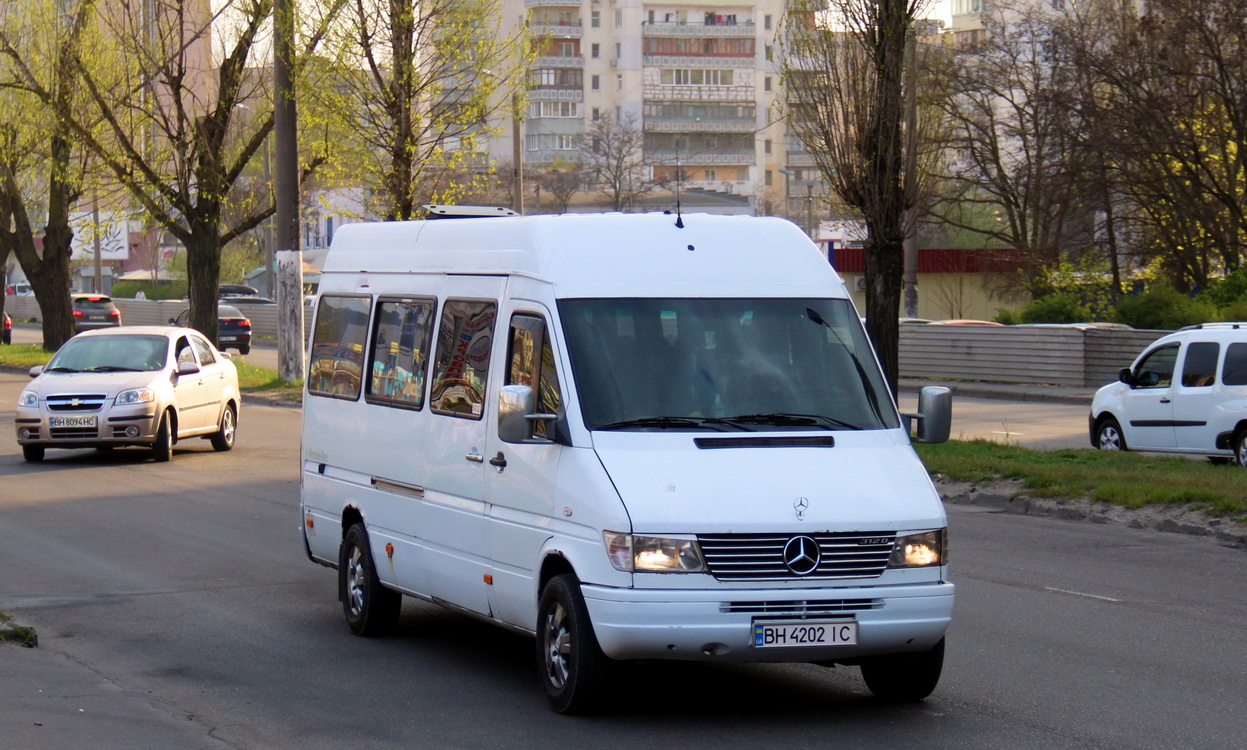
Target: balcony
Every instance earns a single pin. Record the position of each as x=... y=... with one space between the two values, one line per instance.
x=556 y=95
x=697 y=29
x=670 y=156
x=559 y=61
x=551 y=3
x=701 y=125
x=696 y=61
x=733 y=93
x=801 y=159
x=557 y=30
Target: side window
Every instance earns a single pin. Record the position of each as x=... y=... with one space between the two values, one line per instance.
x=185 y=354
x=400 y=351
x=1156 y=369
x=1199 y=369
x=1234 y=371
x=336 y=364
x=203 y=350
x=530 y=362
x=464 y=339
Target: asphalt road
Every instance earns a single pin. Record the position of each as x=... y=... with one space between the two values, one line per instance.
x=185 y=586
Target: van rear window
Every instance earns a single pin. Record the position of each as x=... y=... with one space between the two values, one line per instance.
x=335 y=366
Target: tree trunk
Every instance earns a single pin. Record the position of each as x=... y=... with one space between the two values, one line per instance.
x=203 y=272
x=884 y=269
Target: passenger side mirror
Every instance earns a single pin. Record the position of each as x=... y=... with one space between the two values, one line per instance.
x=1126 y=376
x=188 y=368
x=36 y=370
x=515 y=414
x=935 y=415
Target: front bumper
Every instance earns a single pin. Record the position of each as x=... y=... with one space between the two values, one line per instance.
x=695 y=624
x=113 y=426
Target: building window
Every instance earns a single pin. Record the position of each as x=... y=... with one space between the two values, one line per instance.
x=554 y=109
x=768 y=180
x=596 y=83
x=766 y=22
x=770 y=53
x=766 y=146
x=619 y=81
x=595 y=51
x=618 y=50
x=597 y=114
x=696 y=77
x=766 y=84
x=711 y=174
x=618 y=19
x=651 y=16
x=568 y=49
x=595 y=19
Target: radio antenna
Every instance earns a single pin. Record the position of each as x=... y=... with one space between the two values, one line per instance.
x=679 y=220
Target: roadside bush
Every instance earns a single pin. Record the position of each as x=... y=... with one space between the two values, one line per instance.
x=1163 y=309
x=176 y=289
x=1235 y=311
x=1226 y=291
x=1055 y=308
x=1007 y=317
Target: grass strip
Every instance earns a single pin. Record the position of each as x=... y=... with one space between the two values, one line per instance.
x=1132 y=480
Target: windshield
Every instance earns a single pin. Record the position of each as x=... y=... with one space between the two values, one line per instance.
x=724 y=364
x=110 y=353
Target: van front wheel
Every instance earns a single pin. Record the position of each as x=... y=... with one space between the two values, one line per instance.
x=904 y=677
x=370 y=608
x=570 y=662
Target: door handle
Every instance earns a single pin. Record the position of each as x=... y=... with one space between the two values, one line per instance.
x=475 y=458
x=1164 y=400
x=499 y=461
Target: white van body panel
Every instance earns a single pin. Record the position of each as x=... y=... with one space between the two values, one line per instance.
x=446 y=525
x=671 y=484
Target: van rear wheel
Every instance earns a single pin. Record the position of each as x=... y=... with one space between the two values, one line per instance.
x=370 y=608
x=570 y=661
x=904 y=677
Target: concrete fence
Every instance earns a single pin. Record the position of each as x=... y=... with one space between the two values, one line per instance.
x=1056 y=355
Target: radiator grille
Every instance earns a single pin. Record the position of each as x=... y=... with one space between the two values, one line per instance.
x=760 y=557
x=76 y=402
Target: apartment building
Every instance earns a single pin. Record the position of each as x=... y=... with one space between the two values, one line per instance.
x=699 y=78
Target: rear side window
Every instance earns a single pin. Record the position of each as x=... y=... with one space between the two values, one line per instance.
x=400 y=351
x=1234 y=371
x=336 y=364
x=464 y=340
x=1200 y=367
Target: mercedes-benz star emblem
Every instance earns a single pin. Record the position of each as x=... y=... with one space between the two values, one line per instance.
x=801 y=555
x=799 y=505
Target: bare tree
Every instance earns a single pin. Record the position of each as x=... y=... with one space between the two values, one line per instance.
x=562 y=179
x=614 y=160
x=853 y=100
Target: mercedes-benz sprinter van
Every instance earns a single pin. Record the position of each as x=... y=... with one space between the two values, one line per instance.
x=631 y=436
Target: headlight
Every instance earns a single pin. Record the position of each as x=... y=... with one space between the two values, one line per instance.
x=920 y=550
x=28 y=398
x=653 y=554
x=136 y=396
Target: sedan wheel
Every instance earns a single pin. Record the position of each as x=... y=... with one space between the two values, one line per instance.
x=1109 y=437
x=162 y=449
x=223 y=439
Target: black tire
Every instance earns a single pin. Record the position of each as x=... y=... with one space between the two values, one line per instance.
x=370 y=608
x=223 y=438
x=1109 y=437
x=570 y=662
x=162 y=449
x=904 y=677
x=32 y=453
x=244 y=349
x=1240 y=448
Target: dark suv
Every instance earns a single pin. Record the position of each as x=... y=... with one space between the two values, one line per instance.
x=92 y=311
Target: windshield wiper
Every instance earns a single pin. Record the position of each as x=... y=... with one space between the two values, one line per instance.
x=673 y=423
x=61 y=369
x=788 y=419
x=112 y=368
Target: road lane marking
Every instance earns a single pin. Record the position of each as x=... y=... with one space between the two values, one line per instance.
x=1079 y=593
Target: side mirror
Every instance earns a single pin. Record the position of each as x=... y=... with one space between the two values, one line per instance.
x=934 y=417
x=515 y=414
x=173 y=321
x=188 y=368
x=1125 y=376
x=36 y=371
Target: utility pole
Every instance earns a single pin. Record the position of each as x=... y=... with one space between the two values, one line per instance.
x=286 y=196
x=517 y=156
x=98 y=285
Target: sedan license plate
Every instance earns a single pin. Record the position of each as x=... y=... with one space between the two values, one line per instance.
x=227 y=338
x=71 y=421
x=802 y=633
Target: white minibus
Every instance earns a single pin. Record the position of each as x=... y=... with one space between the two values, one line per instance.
x=640 y=436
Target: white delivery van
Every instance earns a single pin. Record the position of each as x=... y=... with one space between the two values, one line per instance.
x=632 y=436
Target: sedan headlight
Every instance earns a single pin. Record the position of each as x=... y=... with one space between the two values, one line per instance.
x=653 y=554
x=29 y=399
x=920 y=550
x=136 y=396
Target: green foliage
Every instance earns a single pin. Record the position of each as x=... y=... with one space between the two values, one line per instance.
x=1231 y=288
x=1007 y=317
x=175 y=289
x=1235 y=311
x=1128 y=479
x=1163 y=309
x=1055 y=308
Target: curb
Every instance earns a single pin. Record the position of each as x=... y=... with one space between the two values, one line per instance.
x=19 y=634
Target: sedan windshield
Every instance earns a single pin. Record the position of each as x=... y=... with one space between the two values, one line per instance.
x=111 y=354
x=724 y=365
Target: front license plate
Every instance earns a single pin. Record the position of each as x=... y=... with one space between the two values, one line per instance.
x=801 y=633
x=71 y=421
